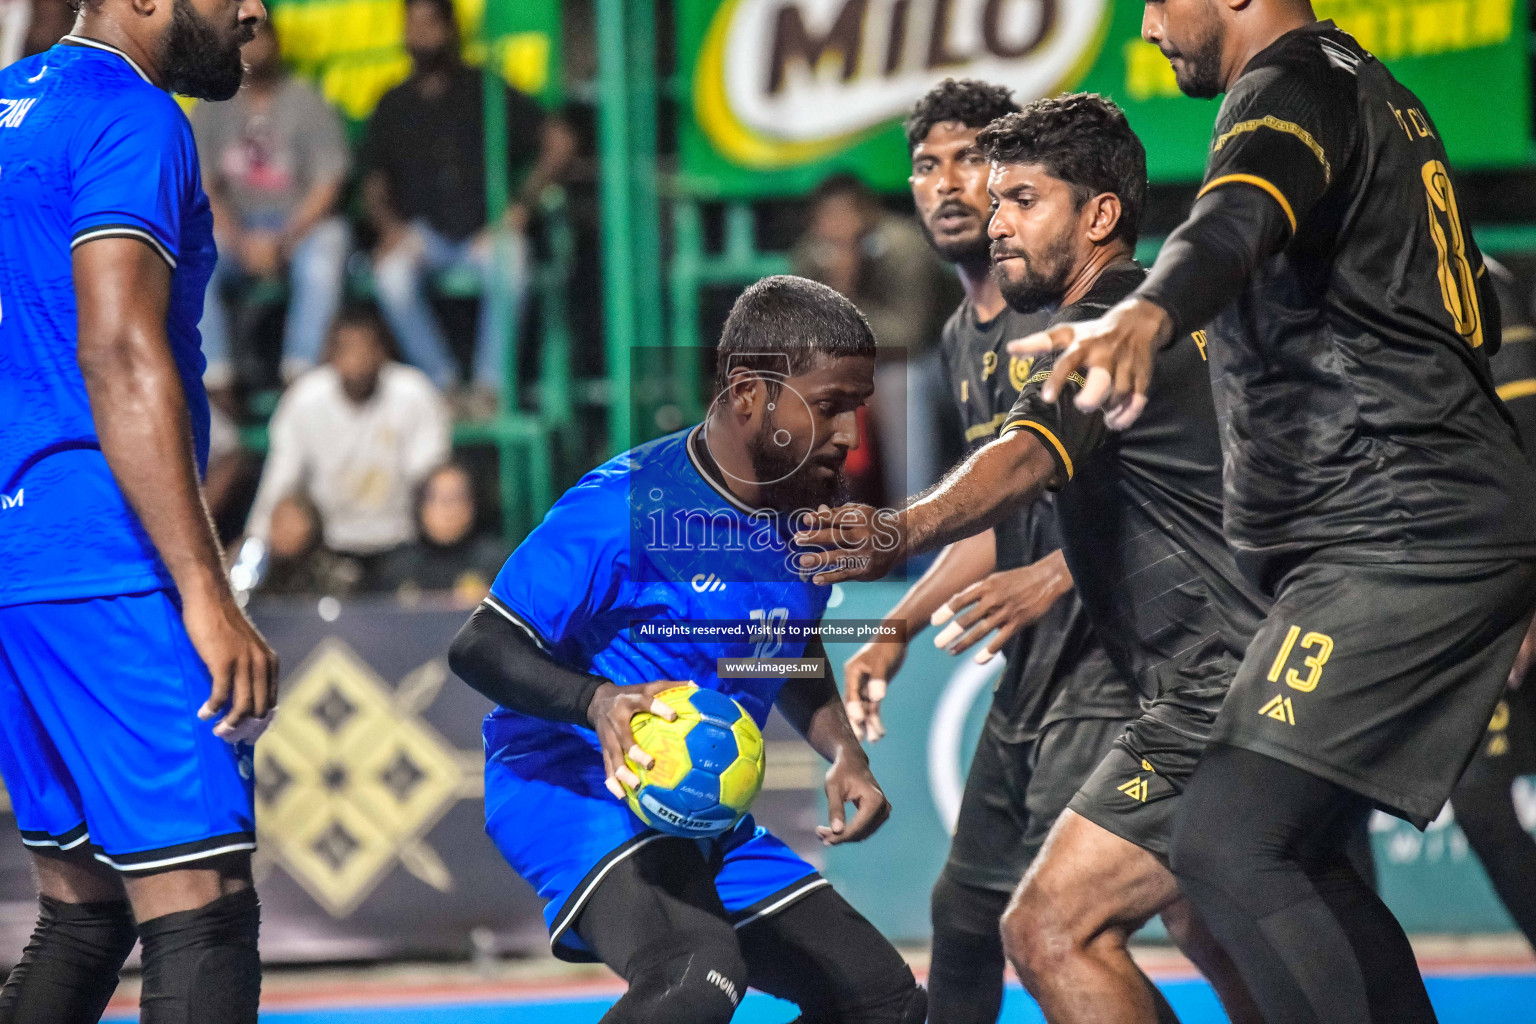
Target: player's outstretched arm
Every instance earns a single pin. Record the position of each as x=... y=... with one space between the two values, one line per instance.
x=858 y=543
x=814 y=709
x=867 y=674
x=122 y=287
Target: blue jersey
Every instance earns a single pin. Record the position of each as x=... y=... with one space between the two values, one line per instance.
x=89 y=148
x=646 y=540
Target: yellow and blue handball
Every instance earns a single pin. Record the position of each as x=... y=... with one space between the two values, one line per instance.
x=709 y=764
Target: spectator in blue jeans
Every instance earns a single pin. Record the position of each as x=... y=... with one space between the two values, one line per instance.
x=424 y=191
x=274 y=160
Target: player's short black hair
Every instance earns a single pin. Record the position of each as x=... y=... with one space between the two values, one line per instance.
x=1084 y=140
x=781 y=325
x=969 y=101
x=442 y=8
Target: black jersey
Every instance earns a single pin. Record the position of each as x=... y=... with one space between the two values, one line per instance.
x=1361 y=422
x=1514 y=375
x=1140 y=517
x=1056 y=669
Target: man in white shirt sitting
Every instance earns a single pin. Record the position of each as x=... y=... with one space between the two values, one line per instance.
x=357 y=434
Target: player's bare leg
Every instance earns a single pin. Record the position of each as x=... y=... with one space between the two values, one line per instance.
x=1068 y=925
x=84 y=932
x=1068 y=928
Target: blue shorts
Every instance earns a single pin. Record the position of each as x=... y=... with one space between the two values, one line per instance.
x=564 y=842
x=100 y=745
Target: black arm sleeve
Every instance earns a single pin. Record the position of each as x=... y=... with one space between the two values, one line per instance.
x=1206 y=262
x=506 y=663
x=1283 y=135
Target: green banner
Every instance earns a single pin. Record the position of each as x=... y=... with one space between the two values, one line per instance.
x=782 y=93
x=353 y=48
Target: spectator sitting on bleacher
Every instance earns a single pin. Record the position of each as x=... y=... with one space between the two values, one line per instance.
x=450 y=553
x=358 y=435
x=300 y=564
x=424 y=192
x=274 y=159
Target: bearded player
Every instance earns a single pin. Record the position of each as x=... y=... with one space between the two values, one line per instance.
x=689 y=924
x=1140 y=520
x=1060 y=702
x=1374 y=487
x=119 y=637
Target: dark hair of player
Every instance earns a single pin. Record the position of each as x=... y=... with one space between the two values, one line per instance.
x=1082 y=139
x=972 y=103
x=781 y=325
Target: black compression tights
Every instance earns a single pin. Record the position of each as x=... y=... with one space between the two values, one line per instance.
x=965 y=977
x=1486 y=813
x=1260 y=849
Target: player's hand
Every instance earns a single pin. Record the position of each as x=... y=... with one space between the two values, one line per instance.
x=865 y=677
x=610 y=712
x=1525 y=659
x=243 y=666
x=849 y=781
x=1114 y=353
x=856 y=542
x=1004 y=602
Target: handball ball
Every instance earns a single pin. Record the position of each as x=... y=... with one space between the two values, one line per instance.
x=709 y=764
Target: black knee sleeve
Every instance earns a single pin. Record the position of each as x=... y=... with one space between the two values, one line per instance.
x=965 y=976
x=68 y=971
x=202 y=966
x=685 y=980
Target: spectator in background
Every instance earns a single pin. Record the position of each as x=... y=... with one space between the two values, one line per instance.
x=882 y=263
x=424 y=191
x=274 y=160
x=358 y=435
x=300 y=564
x=451 y=552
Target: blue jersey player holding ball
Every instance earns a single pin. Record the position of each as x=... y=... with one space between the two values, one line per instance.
x=131 y=684
x=691 y=528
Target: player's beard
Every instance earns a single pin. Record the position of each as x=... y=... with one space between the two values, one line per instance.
x=971 y=252
x=1200 y=76
x=195 y=62
x=1045 y=275
x=786 y=483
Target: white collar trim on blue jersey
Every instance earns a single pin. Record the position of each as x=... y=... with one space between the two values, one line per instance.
x=97 y=44
x=697 y=433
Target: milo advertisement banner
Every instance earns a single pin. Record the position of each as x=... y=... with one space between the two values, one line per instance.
x=783 y=92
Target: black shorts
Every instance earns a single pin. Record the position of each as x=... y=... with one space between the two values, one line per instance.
x=1015 y=792
x=1507 y=749
x=1134 y=790
x=1382 y=677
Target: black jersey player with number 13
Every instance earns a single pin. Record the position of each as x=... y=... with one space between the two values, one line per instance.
x=1374 y=486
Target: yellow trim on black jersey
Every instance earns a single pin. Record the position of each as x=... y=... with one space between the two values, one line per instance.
x=1518 y=389
x=1074 y=378
x=1289 y=128
x=985 y=429
x=1518 y=333
x=1257 y=182
x=1045 y=432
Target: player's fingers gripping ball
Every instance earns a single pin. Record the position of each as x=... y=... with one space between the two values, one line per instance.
x=708 y=764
